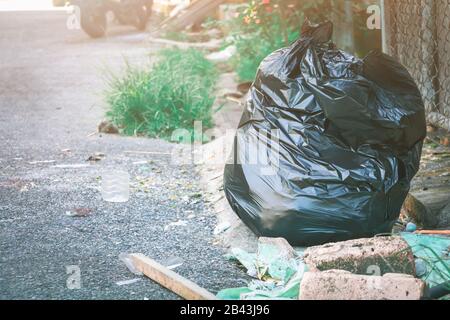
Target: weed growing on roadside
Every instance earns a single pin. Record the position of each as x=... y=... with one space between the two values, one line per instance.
x=154 y=101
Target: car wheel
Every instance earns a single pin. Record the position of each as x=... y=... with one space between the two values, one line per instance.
x=93 y=21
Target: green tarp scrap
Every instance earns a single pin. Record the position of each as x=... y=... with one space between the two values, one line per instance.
x=276 y=277
x=434 y=251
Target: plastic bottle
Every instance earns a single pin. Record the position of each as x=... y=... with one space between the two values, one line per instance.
x=116 y=186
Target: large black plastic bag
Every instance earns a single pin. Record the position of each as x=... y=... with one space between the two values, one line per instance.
x=348 y=134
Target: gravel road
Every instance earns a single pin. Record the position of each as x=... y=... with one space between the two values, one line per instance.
x=50 y=102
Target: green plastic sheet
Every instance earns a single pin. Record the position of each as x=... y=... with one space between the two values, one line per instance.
x=434 y=252
x=276 y=277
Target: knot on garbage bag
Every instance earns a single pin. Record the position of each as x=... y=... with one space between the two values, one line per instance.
x=319 y=33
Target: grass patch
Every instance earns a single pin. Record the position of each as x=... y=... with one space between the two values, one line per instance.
x=155 y=101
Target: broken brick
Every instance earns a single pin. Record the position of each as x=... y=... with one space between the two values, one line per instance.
x=379 y=255
x=343 y=285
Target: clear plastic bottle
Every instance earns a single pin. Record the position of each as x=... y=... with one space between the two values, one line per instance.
x=116 y=186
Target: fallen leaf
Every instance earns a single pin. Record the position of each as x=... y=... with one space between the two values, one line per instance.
x=79 y=212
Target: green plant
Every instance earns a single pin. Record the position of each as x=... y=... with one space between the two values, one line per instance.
x=251 y=51
x=260 y=28
x=172 y=94
x=263 y=26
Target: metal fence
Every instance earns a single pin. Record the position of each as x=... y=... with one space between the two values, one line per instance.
x=417 y=32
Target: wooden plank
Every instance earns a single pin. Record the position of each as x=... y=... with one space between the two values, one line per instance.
x=195 y=12
x=434 y=232
x=169 y=279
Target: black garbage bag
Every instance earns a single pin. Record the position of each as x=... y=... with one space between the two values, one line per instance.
x=327 y=145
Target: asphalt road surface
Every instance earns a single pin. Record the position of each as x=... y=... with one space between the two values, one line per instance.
x=51 y=85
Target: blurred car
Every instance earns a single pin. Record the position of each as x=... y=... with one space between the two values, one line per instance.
x=93 y=14
x=60 y=3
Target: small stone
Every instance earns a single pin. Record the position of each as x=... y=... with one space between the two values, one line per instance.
x=421 y=268
x=79 y=212
x=430 y=129
x=411 y=227
x=414 y=209
x=445 y=141
x=107 y=127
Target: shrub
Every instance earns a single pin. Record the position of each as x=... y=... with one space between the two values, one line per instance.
x=261 y=28
x=251 y=51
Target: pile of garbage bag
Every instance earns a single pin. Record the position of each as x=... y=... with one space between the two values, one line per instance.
x=327 y=145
